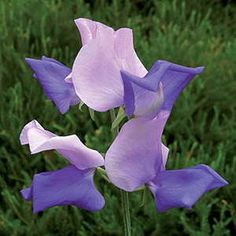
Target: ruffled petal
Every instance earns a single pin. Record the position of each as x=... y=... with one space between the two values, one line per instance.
x=51 y=74
x=67 y=186
x=173 y=79
x=182 y=188
x=135 y=156
x=96 y=69
x=70 y=146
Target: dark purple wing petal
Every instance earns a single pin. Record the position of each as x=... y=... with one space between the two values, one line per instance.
x=68 y=186
x=51 y=75
x=182 y=188
x=129 y=97
x=27 y=193
x=173 y=79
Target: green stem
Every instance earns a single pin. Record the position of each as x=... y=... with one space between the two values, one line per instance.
x=126 y=213
x=124 y=194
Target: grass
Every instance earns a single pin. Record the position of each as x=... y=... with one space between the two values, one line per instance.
x=202 y=128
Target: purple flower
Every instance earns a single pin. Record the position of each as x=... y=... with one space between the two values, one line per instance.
x=137 y=157
x=157 y=90
x=51 y=75
x=72 y=185
x=96 y=69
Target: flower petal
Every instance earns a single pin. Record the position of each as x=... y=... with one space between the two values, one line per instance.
x=70 y=146
x=165 y=152
x=135 y=156
x=27 y=193
x=96 y=69
x=182 y=188
x=51 y=74
x=173 y=79
x=96 y=77
x=88 y=29
x=124 y=49
x=67 y=186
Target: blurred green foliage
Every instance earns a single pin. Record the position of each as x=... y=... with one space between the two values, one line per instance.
x=202 y=128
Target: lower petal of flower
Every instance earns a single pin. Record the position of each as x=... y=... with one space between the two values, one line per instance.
x=67 y=186
x=135 y=156
x=182 y=188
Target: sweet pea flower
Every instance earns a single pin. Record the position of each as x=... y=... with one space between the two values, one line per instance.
x=157 y=90
x=72 y=185
x=96 y=69
x=137 y=157
x=107 y=73
x=51 y=74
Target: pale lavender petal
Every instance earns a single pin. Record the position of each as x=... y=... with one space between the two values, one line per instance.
x=165 y=152
x=51 y=75
x=67 y=186
x=182 y=188
x=70 y=146
x=88 y=29
x=135 y=156
x=96 y=69
x=96 y=77
x=172 y=77
x=124 y=49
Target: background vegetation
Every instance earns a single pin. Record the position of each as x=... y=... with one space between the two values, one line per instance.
x=202 y=128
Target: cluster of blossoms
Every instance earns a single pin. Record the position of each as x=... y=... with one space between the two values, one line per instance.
x=107 y=74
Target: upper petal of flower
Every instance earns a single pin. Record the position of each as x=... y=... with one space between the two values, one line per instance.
x=51 y=74
x=70 y=146
x=173 y=79
x=68 y=186
x=96 y=69
x=88 y=29
x=96 y=77
x=182 y=188
x=135 y=156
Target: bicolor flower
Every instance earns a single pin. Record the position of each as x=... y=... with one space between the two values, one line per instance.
x=96 y=69
x=157 y=90
x=137 y=157
x=51 y=75
x=72 y=185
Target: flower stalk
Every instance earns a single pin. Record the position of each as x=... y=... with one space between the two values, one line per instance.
x=124 y=195
x=126 y=212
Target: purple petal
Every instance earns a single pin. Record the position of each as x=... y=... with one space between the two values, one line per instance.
x=96 y=69
x=135 y=156
x=182 y=188
x=70 y=146
x=173 y=79
x=51 y=74
x=27 y=193
x=67 y=186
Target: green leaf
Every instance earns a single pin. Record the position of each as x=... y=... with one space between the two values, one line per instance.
x=120 y=116
x=92 y=114
x=81 y=105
